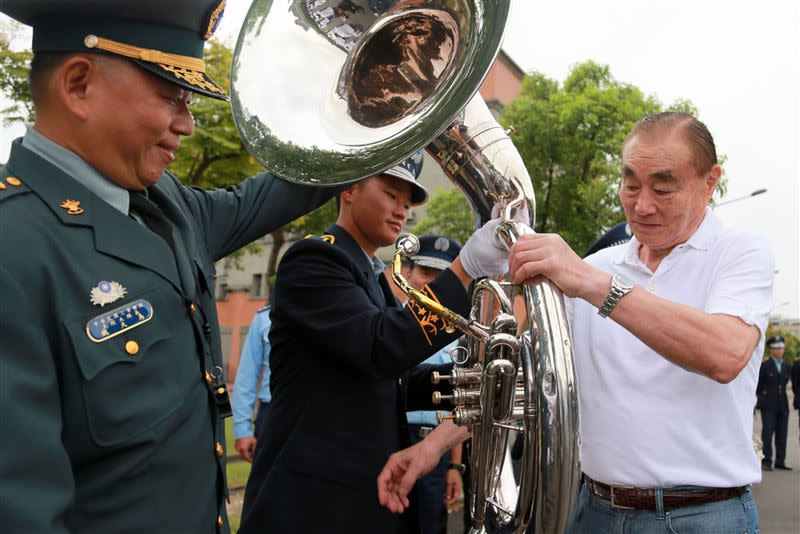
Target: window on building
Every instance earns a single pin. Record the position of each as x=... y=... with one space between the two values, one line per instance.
x=257 y=288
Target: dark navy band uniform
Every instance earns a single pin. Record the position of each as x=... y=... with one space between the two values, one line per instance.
x=341 y=350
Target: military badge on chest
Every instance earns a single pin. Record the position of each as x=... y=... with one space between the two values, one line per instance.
x=106 y=293
x=119 y=320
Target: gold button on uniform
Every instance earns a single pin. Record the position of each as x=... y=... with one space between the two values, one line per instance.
x=219 y=521
x=2 y=186
x=193 y=308
x=218 y=448
x=14 y=181
x=209 y=378
x=132 y=348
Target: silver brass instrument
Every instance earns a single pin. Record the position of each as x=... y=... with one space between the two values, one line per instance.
x=332 y=91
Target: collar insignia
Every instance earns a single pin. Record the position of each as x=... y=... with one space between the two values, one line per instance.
x=106 y=293
x=119 y=320
x=73 y=207
x=328 y=238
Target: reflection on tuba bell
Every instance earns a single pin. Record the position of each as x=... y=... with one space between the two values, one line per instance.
x=332 y=91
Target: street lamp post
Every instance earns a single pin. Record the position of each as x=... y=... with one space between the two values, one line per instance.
x=754 y=193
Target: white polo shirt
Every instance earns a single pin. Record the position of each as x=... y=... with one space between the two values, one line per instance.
x=647 y=422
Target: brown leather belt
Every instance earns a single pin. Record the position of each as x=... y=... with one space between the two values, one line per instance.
x=631 y=498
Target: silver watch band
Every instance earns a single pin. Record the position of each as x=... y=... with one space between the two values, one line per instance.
x=620 y=286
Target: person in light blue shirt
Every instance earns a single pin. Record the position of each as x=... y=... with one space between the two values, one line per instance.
x=254 y=364
x=443 y=485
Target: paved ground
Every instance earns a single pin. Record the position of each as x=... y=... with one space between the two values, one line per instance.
x=777 y=496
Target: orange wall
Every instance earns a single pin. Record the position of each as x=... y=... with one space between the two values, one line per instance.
x=502 y=83
x=236 y=311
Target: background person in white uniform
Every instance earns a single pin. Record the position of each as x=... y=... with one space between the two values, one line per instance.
x=668 y=372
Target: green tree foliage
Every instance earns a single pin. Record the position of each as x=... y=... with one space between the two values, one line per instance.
x=214 y=156
x=448 y=214
x=14 y=67
x=792 y=350
x=569 y=138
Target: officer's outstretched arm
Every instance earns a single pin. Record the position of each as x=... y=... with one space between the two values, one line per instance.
x=36 y=483
x=235 y=216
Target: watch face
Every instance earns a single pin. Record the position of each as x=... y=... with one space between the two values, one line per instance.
x=624 y=283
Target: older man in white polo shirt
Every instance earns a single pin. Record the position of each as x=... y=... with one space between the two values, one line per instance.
x=668 y=333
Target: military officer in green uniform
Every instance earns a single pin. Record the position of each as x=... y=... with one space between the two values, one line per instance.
x=111 y=394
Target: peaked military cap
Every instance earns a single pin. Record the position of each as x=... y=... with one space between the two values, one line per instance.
x=436 y=252
x=409 y=170
x=776 y=342
x=166 y=38
x=617 y=235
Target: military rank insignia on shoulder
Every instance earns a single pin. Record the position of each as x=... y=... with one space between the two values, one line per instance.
x=10 y=186
x=328 y=238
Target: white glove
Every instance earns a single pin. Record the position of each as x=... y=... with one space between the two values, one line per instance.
x=481 y=256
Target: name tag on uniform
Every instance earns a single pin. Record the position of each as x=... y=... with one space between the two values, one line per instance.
x=119 y=320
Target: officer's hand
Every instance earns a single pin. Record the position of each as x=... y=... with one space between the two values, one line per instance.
x=453 y=485
x=402 y=470
x=246 y=447
x=538 y=256
x=481 y=256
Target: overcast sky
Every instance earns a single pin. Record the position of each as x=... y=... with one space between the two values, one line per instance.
x=737 y=61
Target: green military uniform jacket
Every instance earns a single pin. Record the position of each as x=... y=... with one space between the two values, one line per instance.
x=107 y=414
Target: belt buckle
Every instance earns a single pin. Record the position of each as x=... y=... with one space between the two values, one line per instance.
x=613 y=503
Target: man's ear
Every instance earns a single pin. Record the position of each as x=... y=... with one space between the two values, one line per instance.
x=73 y=84
x=347 y=194
x=712 y=179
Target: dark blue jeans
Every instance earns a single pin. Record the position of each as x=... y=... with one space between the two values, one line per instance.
x=430 y=490
x=596 y=516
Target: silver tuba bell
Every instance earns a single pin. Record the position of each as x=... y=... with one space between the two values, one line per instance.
x=332 y=91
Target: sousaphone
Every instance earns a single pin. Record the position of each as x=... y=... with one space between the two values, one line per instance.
x=329 y=92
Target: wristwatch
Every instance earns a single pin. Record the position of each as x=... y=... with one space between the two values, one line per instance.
x=458 y=467
x=620 y=286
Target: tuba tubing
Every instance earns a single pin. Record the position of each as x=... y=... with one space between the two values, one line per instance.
x=327 y=100
x=482 y=162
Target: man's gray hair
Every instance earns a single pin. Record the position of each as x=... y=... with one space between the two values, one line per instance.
x=700 y=139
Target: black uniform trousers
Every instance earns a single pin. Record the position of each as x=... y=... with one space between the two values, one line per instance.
x=774 y=406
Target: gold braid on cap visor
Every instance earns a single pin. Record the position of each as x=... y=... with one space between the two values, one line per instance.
x=145 y=54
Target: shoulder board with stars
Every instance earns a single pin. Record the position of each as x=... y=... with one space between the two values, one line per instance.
x=328 y=238
x=10 y=186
